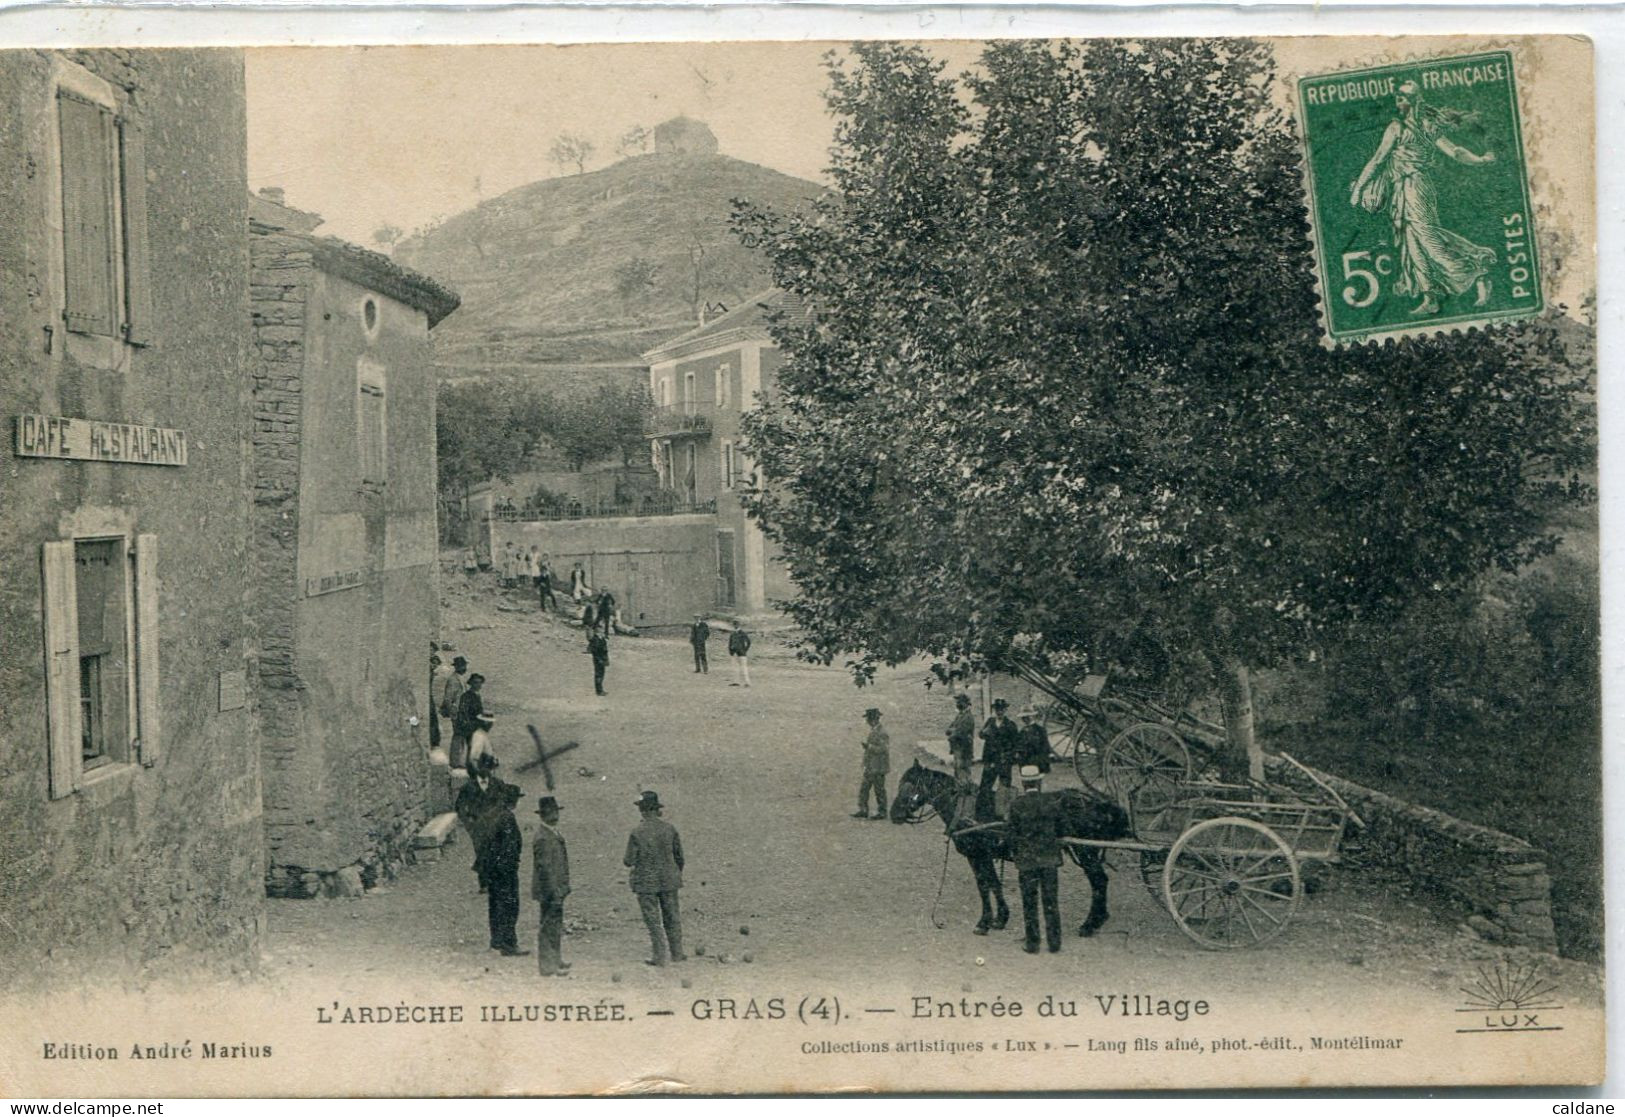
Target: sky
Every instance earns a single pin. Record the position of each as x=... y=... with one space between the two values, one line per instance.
x=405 y=135
x=400 y=135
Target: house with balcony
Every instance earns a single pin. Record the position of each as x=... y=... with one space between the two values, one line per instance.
x=703 y=382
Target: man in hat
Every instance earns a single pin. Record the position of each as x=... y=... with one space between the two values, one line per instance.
x=469 y=708
x=549 y=885
x=739 y=652
x=654 y=853
x=1001 y=744
x=450 y=696
x=962 y=738
x=876 y=763
x=606 y=610
x=503 y=846
x=474 y=801
x=697 y=636
x=1034 y=748
x=1034 y=832
x=544 y=584
x=598 y=648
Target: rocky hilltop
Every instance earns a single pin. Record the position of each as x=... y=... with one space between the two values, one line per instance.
x=594 y=268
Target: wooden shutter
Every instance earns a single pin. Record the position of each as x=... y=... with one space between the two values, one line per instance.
x=137 y=264
x=87 y=215
x=62 y=669
x=148 y=684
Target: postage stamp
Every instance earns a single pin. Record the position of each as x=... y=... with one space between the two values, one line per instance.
x=1419 y=200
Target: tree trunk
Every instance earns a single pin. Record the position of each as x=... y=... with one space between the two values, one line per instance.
x=1236 y=698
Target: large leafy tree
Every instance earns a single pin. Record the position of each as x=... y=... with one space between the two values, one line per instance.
x=1062 y=392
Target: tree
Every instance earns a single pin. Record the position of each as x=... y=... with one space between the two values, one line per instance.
x=635 y=278
x=1063 y=396
x=571 y=148
x=635 y=141
x=590 y=426
x=386 y=236
x=483 y=431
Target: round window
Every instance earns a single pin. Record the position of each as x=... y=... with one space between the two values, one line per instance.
x=369 y=314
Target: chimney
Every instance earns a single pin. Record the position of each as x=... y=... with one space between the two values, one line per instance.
x=274 y=194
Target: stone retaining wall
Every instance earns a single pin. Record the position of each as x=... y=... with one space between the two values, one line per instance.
x=1496 y=883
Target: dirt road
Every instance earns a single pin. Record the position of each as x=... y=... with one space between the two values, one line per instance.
x=785 y=891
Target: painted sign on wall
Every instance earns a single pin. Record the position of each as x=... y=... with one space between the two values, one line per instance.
x=97 y=440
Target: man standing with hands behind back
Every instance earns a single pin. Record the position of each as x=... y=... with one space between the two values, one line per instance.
x=549 y=885
x=654 y=853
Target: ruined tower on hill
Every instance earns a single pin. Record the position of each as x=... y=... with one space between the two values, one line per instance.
x=682 y=135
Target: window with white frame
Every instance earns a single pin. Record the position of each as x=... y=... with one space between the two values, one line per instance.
x=688 y=393
x=370 y=421
x=724 y=386
x=101 y=157
x=665 y=391
x=101 y=650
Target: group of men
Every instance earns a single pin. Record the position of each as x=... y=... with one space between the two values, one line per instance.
x=699 y=635
x=458 y=700
x=654 y=858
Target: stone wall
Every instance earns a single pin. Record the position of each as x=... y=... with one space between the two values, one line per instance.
x=662 y=569
x=148 y=870
x=280 y=274
x=1496 y=883
x=344 y=574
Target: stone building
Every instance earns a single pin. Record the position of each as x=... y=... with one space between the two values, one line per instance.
x=344 y=548
x=130 y=830
x=682 y=135
x=702 y=382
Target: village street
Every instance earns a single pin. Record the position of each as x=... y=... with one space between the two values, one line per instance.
x=781 y=883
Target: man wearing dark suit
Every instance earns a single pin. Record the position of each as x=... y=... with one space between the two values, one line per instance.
x=598 y=648
x=469 y=708
x=500 y=861
x=697 y=636
x=654 y=853
x=474 y=811
x=549 y=885
x=1034 y=831
x=1001 y=744
x=962 y=738
x=1034 y=748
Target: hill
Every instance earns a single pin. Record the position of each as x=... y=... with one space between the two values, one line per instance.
x=593 y=269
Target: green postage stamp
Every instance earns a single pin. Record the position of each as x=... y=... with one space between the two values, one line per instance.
x=1419 y=197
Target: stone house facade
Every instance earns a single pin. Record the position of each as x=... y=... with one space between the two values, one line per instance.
x=130 y=830
x=703 y=382
x=343 y=560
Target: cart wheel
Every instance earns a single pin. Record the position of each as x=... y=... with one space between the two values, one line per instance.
x=1153 y=862
x=1086 y=736
x=1231 y=883
x=1144 y=767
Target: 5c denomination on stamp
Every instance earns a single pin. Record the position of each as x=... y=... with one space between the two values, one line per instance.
x=1418 y=197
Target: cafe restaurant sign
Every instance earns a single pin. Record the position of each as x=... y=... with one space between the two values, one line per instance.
x=96 y=440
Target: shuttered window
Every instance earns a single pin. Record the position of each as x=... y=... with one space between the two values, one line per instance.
x=370 y=421
x=102 y=685
x=148 y=684
x=90 y=250
x=107 y=289
x=62 y=690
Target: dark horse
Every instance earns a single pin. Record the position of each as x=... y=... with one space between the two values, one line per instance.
x=1085 y=814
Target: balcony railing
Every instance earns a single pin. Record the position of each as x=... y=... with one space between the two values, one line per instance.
x=681 y=418
x=600 y=510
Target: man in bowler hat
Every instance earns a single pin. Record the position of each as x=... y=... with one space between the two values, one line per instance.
x=549 y=885
x=1001 y=744
x=1034 y=832
x=654 y=853
x=500 y=858
x=962 y=738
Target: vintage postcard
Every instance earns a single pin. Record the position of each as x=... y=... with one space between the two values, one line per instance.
x=1138 y=497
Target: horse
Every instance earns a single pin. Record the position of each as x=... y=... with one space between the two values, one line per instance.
x=1085 y=814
